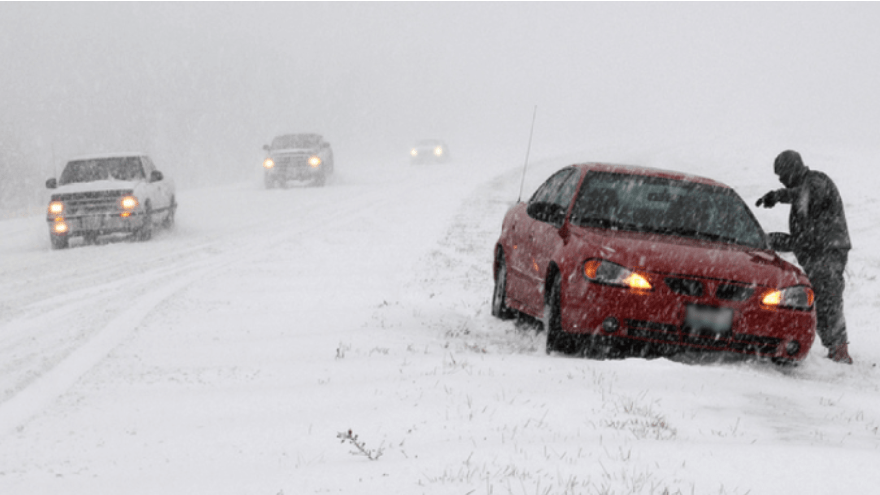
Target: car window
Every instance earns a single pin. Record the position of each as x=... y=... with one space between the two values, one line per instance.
x=666 y=206
x=549 y=189
x=117 y=168
x=566 y=190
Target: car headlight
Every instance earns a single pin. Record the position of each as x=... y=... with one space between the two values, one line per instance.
x=128 y=203
x=438 y=151
x=414 y=152
x=797 y=297
x=314 y=161
x=268 y=163
x=56 y=208
x=606 y=272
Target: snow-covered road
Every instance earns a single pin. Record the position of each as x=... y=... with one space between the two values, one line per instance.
x=224 y=356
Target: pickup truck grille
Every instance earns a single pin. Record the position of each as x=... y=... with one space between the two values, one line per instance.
x=292 y=161
x=86 y=203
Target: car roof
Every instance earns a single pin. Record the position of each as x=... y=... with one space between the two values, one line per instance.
x=648 y=172
x=98 y=156
x=430 y=141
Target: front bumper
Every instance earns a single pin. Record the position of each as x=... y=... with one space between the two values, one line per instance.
x=96 y=224
x=658 y=317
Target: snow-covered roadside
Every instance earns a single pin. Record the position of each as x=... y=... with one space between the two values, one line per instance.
x=365 y=306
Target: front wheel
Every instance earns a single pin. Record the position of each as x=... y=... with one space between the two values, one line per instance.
x=145 y=233
x=59 y=241
x=557 y=339
x=499 y=295
x=172 y=210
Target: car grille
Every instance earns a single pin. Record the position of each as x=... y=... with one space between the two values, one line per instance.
x=86 y=203
x=685 y=286
x=734 y=292
x=660 y=332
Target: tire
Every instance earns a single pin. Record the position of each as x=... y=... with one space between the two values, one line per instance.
x=145 y=233
x=168 y=222
x=59 y=241
x=500 y=309
x=557 y=339
x=320 y=180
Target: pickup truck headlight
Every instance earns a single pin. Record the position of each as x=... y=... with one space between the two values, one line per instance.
x=314 y=161
x=128 y=203
x=797 y=297
x=268 y=163
x=56 y=208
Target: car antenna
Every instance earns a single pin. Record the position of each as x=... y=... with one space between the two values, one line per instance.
x=528 y=149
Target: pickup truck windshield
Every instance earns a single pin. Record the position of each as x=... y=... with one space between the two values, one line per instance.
x=296 y=141
x=120 y=168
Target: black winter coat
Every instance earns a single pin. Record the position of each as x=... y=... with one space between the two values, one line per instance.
x=816 y=221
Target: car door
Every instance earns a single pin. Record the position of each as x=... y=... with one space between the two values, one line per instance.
x=545 y=213
x=520 y=279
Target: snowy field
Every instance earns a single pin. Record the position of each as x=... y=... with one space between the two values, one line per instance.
x=227 y=355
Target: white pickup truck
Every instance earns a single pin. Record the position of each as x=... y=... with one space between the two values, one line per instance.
x=109 y=194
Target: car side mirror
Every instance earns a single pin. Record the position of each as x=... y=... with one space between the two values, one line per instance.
x=546 y=212
x=156 y=176
x=266 y=147
x=52 y=183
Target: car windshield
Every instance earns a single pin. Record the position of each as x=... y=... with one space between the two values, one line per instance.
x=296 y=141
x=666 y=206
x=119 y=168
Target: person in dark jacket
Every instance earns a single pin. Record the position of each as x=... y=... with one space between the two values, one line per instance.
x=819 y=239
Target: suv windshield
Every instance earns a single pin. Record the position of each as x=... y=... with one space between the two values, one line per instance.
x=119 y=168
x=666 y=206
x=296 y=141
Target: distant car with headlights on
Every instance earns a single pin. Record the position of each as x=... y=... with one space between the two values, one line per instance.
x=109 y=194
x=429 y=151
x=622 y=260
x=302 y=159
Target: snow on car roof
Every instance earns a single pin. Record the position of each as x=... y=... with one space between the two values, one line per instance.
x=649 y=171
x=98 y=156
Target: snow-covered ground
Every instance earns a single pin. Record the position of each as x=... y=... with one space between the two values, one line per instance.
x=225 y=356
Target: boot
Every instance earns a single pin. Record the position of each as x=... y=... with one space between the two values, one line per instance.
x=840 y=354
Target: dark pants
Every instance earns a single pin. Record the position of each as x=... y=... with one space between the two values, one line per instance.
x=825 y=271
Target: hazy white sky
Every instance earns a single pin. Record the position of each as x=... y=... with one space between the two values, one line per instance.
x=196 y=82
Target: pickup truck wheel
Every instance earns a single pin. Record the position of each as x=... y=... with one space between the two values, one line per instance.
x=145 y=233
x=59 y=241
x=172 y=210
x=320 y=180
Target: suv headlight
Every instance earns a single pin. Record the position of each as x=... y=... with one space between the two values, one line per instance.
x=797 y=297
x=314 y=161
x=606 y=272
x=268 y=163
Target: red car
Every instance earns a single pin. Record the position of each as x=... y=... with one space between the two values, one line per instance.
x=624 y=260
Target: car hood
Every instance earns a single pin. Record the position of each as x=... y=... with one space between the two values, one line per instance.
x=668 y=255
x=98 y=185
